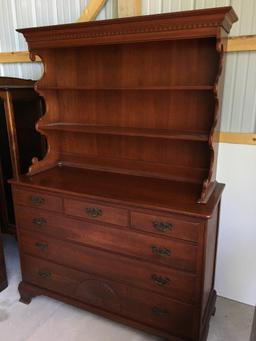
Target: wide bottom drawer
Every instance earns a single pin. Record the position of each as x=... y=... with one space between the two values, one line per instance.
x=151 y=309
x=176 y=284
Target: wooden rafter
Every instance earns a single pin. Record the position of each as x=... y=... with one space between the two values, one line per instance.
x=92 y=10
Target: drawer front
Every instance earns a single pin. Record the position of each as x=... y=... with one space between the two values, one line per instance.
x=176 y=254
x=166 y=225
x=96 y=212
x=157 y=311
x=37 y=199
x=172 y=283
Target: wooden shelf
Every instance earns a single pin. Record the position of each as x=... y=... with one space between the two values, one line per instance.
x=137 y=88
x=126 y=131
x=134 y=167
x=137 y=190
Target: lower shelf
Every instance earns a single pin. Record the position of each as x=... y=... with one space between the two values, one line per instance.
x=136 y=167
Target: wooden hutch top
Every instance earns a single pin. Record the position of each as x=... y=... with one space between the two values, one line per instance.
x=133 y=108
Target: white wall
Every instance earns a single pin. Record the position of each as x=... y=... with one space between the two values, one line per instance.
x=236 y=260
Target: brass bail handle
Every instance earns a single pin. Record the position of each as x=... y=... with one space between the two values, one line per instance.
x=162 y=226
x=94 y=212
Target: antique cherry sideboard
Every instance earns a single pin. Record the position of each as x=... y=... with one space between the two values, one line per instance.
x=121 y=216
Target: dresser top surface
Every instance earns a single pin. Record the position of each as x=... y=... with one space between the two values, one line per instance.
x=132 y=190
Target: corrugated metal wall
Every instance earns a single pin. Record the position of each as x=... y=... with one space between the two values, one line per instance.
x=27 y=13
x=239 y=107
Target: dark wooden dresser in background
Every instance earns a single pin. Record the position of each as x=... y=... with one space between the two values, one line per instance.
x=20 y=108
x=121 y=216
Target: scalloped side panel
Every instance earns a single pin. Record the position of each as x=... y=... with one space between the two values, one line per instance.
x=210 y=183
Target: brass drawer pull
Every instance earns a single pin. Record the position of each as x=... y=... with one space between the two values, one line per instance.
x=41 y=246
x=159 y=312
x=44 y=274
x=37 y=200
x=160 y=251
x=39 y=221
x=160 y=280
x=162 y=226
x=93 y=212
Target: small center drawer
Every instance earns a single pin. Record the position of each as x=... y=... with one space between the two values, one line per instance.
x=169 y=226
x=37 y=199
x=96 y=212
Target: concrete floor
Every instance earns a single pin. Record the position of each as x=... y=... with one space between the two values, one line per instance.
x=47 y=319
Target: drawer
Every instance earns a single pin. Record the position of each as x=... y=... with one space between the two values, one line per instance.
x=96 y=212
x=168 y=226
x=172 y=283
x=37 y=199
x=173 y=253
x=132 y=303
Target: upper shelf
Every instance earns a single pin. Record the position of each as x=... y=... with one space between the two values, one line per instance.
x=174 y=87
x=126 y=131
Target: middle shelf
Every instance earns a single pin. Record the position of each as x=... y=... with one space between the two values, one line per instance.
x=126 y=131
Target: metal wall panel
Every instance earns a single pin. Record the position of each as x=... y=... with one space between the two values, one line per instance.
x=246 y=10
x=28 y=13
x=160 y=6
x=239 y=105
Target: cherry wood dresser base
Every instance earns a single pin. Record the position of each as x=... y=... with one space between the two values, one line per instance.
x=131 y=261
x=121 y=216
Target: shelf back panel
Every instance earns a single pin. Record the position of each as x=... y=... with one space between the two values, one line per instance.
x=162 y=63
x=191 y=156
x=175 y=110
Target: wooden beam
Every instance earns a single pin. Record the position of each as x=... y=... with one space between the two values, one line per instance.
x=16 y=57
x=238 y=138
x=129 y=8
x=242 y=43
x=91 y=10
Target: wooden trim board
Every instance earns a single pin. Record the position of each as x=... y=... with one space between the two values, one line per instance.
x=16 y=57
x=237 y=138
x=242 y=43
